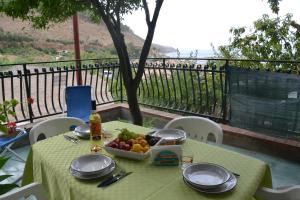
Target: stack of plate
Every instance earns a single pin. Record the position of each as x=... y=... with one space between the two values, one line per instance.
x=91 y=166
x=209 y=178
x=82 y=131
x=171 y=134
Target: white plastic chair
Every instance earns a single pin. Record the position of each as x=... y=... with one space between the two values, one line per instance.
x=197 y=128
x=35 y=189
x=285 y=193
x=52 y=127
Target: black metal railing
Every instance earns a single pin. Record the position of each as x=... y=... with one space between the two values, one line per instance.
x=189 y=88
x=39 y=87
x=185 y=88
x=186 y=85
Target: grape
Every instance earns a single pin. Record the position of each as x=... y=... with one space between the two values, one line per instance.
x=127 y=135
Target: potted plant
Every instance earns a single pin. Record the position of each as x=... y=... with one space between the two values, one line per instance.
x=7 y=129
x=6 y=109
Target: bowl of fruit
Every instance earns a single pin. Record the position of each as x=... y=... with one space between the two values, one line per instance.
x=131 y=145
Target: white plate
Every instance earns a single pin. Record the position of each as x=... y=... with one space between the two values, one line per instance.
x=127 y=154
x=82 y=131
x=227 y=186
x=78 y=175
x=206 y=175
x=171 y=134
x=81 y=135
x=91 y=163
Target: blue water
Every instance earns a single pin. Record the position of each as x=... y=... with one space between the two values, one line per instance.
x=187 y=53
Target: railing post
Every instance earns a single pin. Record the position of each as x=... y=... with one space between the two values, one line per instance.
x=224 y=104
x=28 y=93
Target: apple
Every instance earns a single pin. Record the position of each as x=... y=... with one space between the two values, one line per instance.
x=121 y=145
x=113 y=145
x=126 y=147
x=130 y=142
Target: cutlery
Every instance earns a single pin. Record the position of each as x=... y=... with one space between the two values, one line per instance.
x=235 y=174
x=72 y=139
x=113 y=179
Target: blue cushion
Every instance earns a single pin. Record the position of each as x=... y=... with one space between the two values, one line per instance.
x=4 y=141
x=79 y=102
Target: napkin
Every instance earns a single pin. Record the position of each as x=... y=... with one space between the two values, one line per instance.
x=166 y=155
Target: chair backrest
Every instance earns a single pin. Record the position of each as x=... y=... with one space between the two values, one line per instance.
x=52 y=127
x=35 y=189
x=197 y=128
x=79 y=102
x=287 y=193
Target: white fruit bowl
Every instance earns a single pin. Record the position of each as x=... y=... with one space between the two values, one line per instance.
x=127 y=154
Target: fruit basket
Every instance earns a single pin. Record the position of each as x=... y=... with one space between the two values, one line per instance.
x=131 y=145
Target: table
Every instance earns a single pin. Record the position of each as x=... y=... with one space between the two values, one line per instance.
x=49 y=160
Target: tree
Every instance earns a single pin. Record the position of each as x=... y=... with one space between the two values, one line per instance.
x=43 y=12
x=270 y=38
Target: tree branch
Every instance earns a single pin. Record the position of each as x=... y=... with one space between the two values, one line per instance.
x=107 y=7
x=147 y=13
x=147 y=43
x=118 y=20
x=118 y=40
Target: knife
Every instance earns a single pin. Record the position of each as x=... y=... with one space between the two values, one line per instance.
x=74 y=140
x=113 y=179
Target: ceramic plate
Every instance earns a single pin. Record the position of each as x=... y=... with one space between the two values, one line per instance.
x=206 y=175
x=107 y=171
x=171 y=134
x=227 y=186
x=91 y=163
x=82 y=131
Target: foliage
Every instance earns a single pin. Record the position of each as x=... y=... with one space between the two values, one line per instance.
x=270 y=38
x=5 y=187
x=6 y=110
x=8 y=37
x=274 y=5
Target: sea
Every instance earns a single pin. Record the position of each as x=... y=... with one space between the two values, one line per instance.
x=190 y=53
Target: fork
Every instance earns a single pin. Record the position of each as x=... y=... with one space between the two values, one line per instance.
x=72 y=139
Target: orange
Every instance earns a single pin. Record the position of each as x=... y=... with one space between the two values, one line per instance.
x=143 y=142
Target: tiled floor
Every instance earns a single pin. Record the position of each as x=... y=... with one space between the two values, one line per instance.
x=284 y=173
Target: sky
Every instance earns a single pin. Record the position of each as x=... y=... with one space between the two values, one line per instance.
x=196 y=24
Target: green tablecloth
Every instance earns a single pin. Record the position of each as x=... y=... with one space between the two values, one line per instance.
x=49 y=160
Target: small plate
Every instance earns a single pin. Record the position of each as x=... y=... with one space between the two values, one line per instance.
x=206 y=175
x=227 y=186
x=91 y=164
x=82 y=131
x=79 y=175
x=171 y=134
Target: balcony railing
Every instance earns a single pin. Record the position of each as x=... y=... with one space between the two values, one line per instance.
x=191 y=86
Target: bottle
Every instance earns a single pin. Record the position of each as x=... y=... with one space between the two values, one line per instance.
x=95 y=129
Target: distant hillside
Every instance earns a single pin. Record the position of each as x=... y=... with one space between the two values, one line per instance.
x=20 y=42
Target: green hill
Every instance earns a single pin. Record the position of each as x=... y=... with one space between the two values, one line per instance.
x=20 y=42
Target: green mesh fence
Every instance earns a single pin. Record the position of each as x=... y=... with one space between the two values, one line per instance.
x=265 y=102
